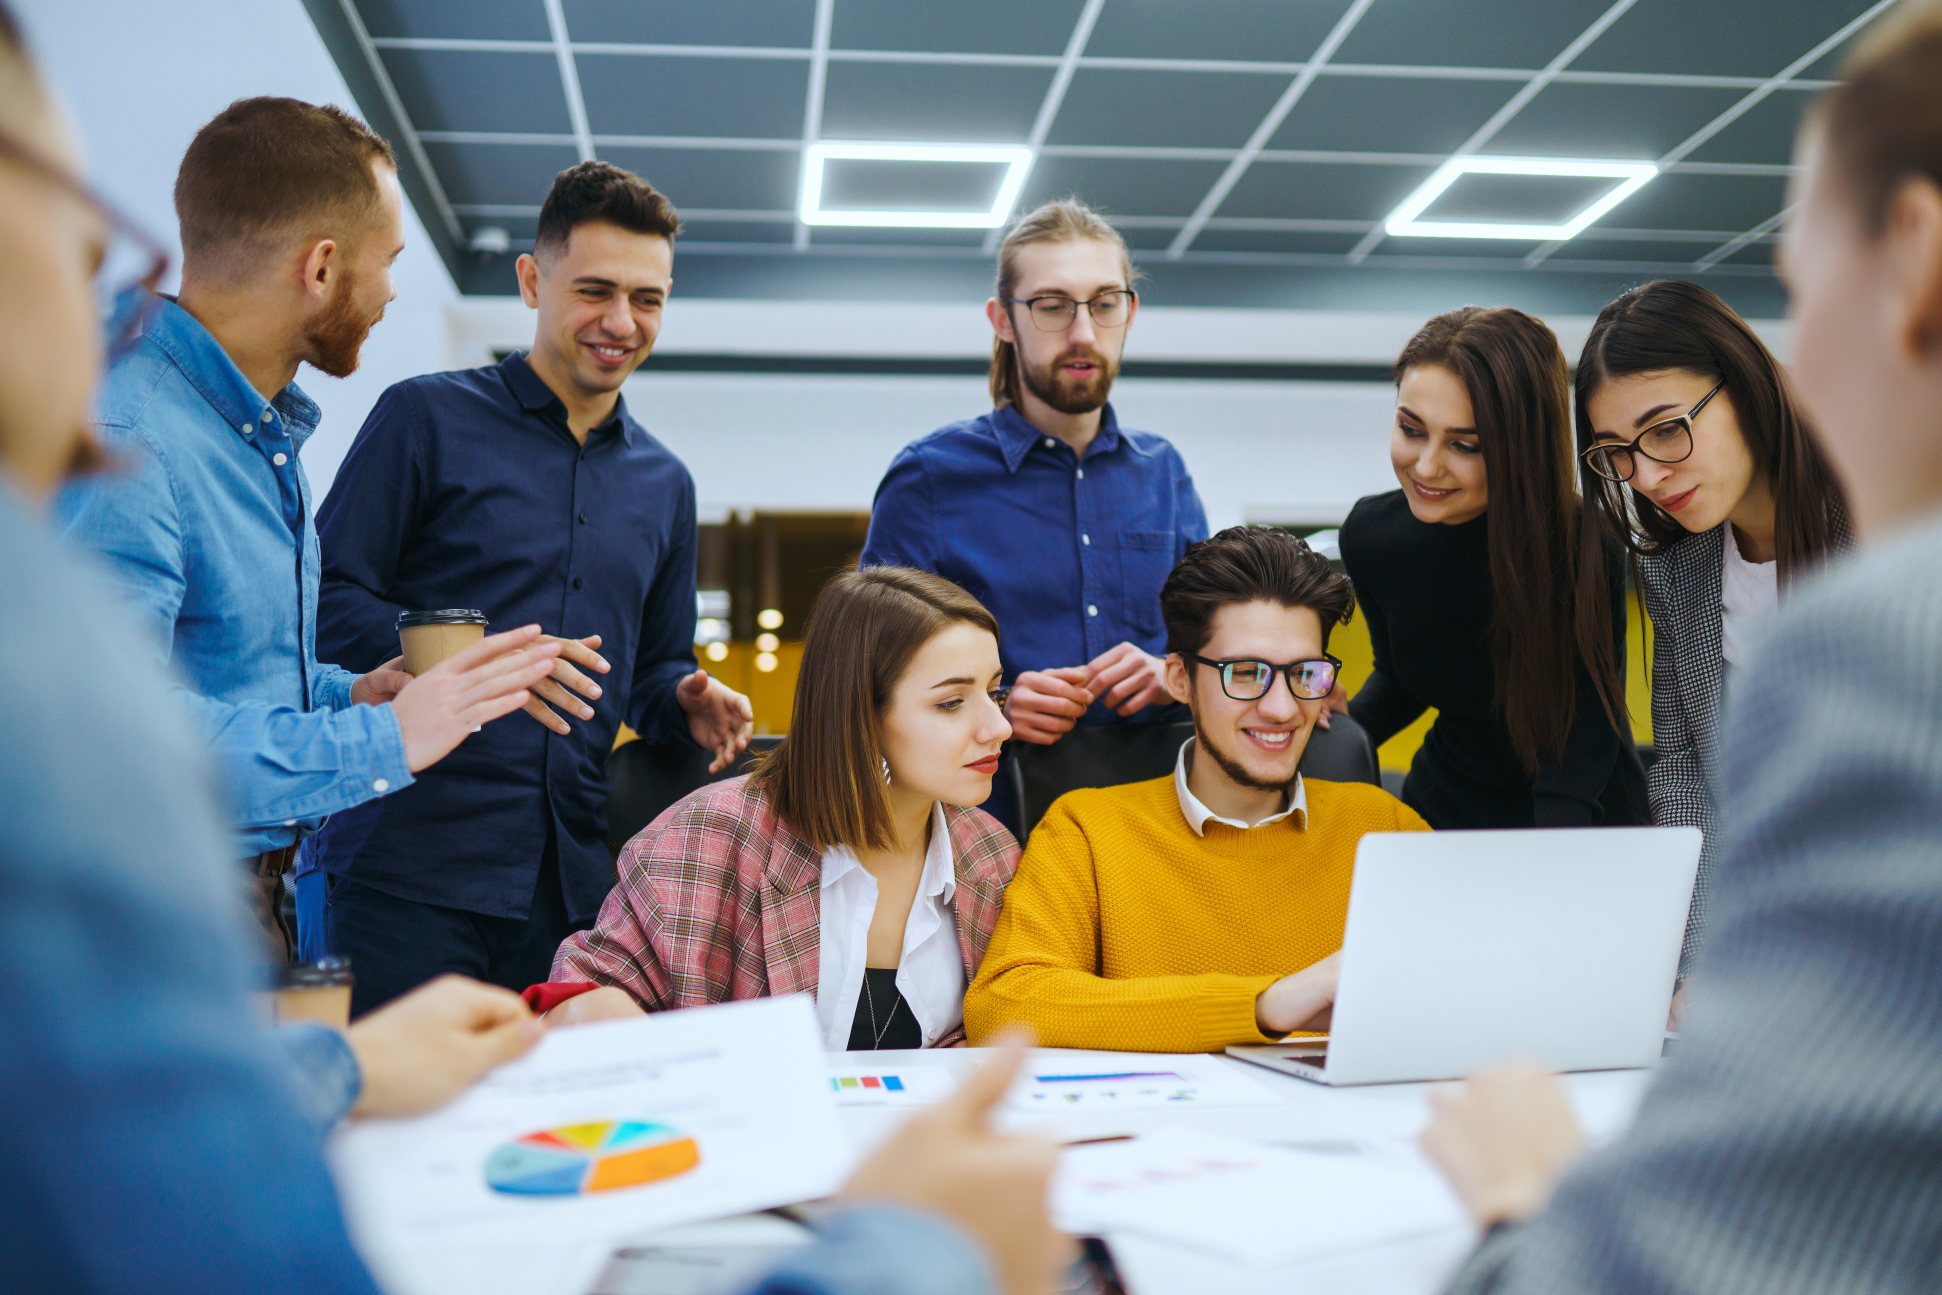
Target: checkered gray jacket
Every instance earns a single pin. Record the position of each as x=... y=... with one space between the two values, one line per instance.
x=1682 y=596
x=1791 y=1144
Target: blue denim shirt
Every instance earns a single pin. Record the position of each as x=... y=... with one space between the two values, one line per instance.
x=1069 y=555
x=209 y=533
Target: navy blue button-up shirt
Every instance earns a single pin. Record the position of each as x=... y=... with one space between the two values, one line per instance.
x=1068 y=554
x=467 y=489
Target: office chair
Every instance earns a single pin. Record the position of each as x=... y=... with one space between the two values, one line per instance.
x=644 y=778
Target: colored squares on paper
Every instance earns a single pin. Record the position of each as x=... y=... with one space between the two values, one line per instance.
x=579 y=1159
x=866 y=1083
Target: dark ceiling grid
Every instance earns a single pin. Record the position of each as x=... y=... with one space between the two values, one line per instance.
x=1268 y=136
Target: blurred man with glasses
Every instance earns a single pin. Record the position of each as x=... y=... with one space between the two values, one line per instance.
x=1206 y=908
x=291 y=217
x=1052 y=514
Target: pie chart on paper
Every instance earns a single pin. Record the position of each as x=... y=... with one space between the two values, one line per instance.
x=580 y=1159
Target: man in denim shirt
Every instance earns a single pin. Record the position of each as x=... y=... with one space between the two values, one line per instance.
x=291 y=217
x=1059 y=520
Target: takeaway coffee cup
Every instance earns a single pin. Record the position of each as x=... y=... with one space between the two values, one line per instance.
x=429 y=637
x=313 y=991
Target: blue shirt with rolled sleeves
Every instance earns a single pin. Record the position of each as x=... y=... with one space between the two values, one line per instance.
x=467 y=489
x=206 y=526
x=1067 y=553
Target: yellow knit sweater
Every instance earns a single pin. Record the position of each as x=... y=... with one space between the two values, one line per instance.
x=1125 y=931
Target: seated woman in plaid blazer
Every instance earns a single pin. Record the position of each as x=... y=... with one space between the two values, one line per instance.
x=852 y=864
x=1696 y=457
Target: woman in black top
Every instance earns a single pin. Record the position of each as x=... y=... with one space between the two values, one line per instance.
x=1466 y=578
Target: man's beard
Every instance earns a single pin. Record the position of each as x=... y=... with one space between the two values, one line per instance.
x=1063 y=394
x=1233 y=768
x=336 y=336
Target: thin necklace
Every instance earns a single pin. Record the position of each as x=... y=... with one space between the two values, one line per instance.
x=870 y=1001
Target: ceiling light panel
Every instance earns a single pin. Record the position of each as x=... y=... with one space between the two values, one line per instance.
x=1407 y=220
x=1017 y=161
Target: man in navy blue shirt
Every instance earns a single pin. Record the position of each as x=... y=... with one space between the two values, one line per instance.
x=1059 y=520
x=525 y=490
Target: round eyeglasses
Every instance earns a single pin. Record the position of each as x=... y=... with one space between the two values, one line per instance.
x=1670 y=441
x=1054 y=314
x=1310 y=680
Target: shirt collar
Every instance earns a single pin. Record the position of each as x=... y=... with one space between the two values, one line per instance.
x=939 y=880
x=1017 y=436
x=534 y=396
x=1198 y=815
x=208 y=368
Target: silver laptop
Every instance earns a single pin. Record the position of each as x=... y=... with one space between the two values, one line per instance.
x=1464 y=949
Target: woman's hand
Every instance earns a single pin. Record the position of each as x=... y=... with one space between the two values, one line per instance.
x=1503 y=1140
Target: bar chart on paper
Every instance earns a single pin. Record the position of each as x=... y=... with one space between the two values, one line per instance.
x=1131 y=1080
x=578 y=1159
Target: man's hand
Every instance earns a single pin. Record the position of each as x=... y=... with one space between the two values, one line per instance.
x=420 y=1051
x=439 y=709
x=719 y=719
x=1503 y=1140
x=1045 y=704
x=1127 y=679
x=1302 y=1001
x=607 y=1003
x=380 y=685
x=573 y=654
x=948 y=1162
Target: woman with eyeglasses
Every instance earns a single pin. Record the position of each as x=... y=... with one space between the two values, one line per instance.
x=1465 y=575
x=1694 y=455
x=853 y=863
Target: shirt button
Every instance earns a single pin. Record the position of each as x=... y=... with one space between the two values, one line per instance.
x=1050 y=443
x=267 y=415
x=381 y=785
x=1085 y=539
x=247 y=429
x=1092 y=609
x=583 y=517
x=279 y=458
x=1082 y=474
x=577 y=582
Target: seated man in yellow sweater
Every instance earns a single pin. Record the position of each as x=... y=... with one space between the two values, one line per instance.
x=1205 y=908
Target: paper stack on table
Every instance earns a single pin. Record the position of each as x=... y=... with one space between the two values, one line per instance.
x=601 y=1133
x=1252 y=1203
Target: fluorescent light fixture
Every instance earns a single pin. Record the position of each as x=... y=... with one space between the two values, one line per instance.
x=1017 y=160
x=1404 y=223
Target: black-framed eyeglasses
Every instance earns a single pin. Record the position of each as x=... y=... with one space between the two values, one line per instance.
x=132 y=263
x=1310 y=680
x=1054 y=314
x=1670 y=441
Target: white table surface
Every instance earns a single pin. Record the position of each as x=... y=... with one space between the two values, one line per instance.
x=1297 y=1112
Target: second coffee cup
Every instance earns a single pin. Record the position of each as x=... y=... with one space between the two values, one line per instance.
x=431 y=636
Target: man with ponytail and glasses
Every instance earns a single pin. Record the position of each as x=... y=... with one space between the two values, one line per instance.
x=1050 y=513
x=1205 y=908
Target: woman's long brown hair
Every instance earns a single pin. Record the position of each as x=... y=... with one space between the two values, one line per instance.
x=1514 y=371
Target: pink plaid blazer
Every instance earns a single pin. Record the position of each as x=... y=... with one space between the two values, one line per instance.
x=718 y=900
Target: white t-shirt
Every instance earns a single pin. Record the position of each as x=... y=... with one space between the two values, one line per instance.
x=930 y=974
x=1748 y=593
